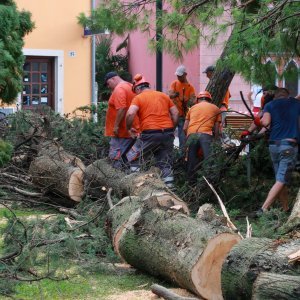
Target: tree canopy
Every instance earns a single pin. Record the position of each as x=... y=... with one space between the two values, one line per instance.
x=260 y=29
x=14 y=25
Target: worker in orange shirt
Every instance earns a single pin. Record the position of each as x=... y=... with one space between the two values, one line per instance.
x=183 y=95
x=202 y=124
x=225 y=102
x=158 y=117
x=115 y=127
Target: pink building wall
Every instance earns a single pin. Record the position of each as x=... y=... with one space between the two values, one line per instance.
x=142 y=60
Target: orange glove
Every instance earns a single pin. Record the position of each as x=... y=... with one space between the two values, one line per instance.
x=257 y=121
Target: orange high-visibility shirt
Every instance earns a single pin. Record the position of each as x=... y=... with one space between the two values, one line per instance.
x=202 y=117
x=121 y=97
x=154 y=110
x=186 y=91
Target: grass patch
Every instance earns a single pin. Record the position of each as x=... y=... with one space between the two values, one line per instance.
x=84 y=286
x=4 y=212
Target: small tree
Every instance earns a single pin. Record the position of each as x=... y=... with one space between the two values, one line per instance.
x=106 y=61
x=14 y=25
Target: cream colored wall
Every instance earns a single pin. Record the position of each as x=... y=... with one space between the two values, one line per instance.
x=57 y=29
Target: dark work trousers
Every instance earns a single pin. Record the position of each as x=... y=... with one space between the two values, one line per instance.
x=158 y=144
x=117 y=148
x=195 y=142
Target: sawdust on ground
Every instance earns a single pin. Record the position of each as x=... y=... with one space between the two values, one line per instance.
x=146 y=295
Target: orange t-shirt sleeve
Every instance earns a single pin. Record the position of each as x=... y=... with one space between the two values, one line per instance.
x=226 y=99
x=135 y=101
x=171 y=103
x=187 y=117
x=120 y=98
x=173 y=86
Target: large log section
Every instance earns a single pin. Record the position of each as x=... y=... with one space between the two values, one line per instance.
x=151 y=234
x=144 y=185
x=167 y=243
x=252 y=256
x=276 y=286
x=57 y=171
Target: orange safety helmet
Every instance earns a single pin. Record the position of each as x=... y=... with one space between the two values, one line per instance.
x=204 y=94
x=138 y=80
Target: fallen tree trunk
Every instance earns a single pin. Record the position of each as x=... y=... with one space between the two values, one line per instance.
x=197 y=254
x=143 y=185
x=54 y=151
x=251 y=257
x=167 y=243
x=57 y=177
x=276 y=286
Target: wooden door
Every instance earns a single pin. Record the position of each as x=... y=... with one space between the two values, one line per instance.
x=38 y=83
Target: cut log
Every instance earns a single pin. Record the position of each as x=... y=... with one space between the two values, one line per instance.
x=252 y=256
x=143 y=185
x=56 y=152
x=276 y=286
x=170 y=244
x=57 y=177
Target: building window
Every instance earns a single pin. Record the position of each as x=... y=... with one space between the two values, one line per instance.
x=291 y=78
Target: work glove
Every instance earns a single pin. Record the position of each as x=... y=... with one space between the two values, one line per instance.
x=244 y=134
x=257 y=121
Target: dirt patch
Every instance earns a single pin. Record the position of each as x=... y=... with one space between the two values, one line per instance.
x=146 y=295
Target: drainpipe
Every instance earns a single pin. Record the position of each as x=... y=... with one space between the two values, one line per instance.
x=159 y=57
x=94 y=83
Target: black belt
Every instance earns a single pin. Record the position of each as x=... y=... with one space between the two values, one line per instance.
x=158 y=131
x=283 y=142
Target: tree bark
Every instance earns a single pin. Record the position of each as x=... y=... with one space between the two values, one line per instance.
x=55 y=151
x=221 y=79
x=170 y=244
x=252 y=256
x=57 y=177
x=293 y=221
x=143 y=185
x=276 y=286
